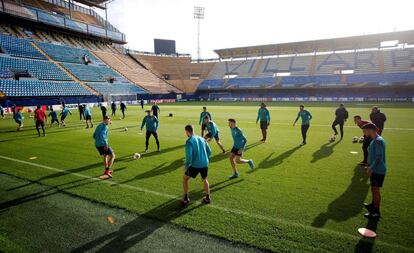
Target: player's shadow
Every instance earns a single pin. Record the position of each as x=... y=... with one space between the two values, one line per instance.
x=349 y=203
x=269 y=162
x=158 y=170
x=153 y=153
x=365 y=245
x=324 y=151
x=144 y=225
x=220 y=156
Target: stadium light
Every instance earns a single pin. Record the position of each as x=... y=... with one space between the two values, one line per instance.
x=199 y=15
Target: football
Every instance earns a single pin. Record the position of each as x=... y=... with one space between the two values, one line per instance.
x=361 y=139
x=355 y=139
x=333 y=138
x=136 y=156
x=126 y=129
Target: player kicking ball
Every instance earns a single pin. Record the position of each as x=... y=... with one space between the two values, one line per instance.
x=237 y=150
x=101 y=143
x=63 y=114
x=151 y=123
x=40 y=118
x=213 y=132
x=197 y=153
x=376 y=169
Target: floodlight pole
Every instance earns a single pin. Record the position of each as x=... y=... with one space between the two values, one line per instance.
x=199 y=15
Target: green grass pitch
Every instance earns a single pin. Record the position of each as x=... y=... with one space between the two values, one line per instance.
x=298 y=199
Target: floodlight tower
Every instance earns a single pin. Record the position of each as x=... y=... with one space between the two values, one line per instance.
x=199 y=15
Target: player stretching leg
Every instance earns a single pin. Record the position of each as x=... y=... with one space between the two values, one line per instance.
x=54 y=116
x=341 y=115
x=213 y=132
x=151 y=124
x=63 y=114
x=237 y=150
x=39 y=118
x=88 y=117
x=197 y=153
x=306 y=117
x=101 y=143
x=204 y=114
x=264 y=116
x=376 y=169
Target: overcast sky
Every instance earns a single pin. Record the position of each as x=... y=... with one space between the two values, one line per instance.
x=234 y=23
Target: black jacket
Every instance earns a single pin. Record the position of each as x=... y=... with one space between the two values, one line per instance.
x=341 y=114
x=378 y=119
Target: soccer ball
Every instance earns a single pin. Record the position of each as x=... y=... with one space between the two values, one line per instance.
x=126 y=129
x=333 y=138
x=355 y=139
x=136 y=156
x=361 y=139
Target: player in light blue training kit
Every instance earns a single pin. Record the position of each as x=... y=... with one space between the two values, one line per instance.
x=204 y=114
x=306 y=117
x=263 y=116
x=151 y=123
x=88 y=116
x=63 y=114
x=102 y=145
x=213 y=132
x=238 y=148
x=376 y=170
x=197 y=153
x=18 y=117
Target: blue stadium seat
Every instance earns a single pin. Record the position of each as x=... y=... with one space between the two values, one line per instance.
x=212 y=84
x=91 y=73
x=63 y=53
x=37 y=68
x=252 y=82
x=117 y=88
x=36 y=88
x=382 y=78
x=19 y=47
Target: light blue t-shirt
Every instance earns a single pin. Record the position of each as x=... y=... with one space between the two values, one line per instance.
x=263 y=115
x=305 y=116
x=238 y=138
x=150 y=122
x=376 y=156
x=101 y=135
x=197 y=152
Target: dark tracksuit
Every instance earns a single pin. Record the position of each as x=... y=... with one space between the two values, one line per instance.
x=103 y=109
x=81 y=109
x=113 y=108
x=341 y=114
x=123 y=108
x=155 y=110
x=378 y=119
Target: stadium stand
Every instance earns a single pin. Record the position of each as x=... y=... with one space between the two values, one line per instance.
x=135 y=73
x=180 y=71
x=32 y=88
x=106 y=88
x=92 y=73
x=63 y=53
x=19 y=47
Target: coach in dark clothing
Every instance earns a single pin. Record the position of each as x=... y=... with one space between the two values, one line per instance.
x=113 y=108
x=378 y=118
x=103 y=109
x=81 y=109
x=123 y=108
x=155 y=109
x=341 y=115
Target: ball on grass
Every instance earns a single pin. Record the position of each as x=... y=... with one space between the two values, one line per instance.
x=333 y=138
x=137 y=156
x=126 y=129
x=355 y=139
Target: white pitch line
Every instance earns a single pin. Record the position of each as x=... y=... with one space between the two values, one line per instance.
x=290 y=124
x=225 y=209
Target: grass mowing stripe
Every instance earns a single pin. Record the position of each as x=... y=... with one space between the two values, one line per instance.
x=386 y=128
x=224 y=209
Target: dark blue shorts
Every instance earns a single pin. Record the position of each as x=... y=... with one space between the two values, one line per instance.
x=377 y=180
x=235 y=151
x=104 y=152
x=216 y=136
x=193 y=172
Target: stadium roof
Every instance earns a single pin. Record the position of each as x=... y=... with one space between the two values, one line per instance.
x=94 y=3
x=335 y=44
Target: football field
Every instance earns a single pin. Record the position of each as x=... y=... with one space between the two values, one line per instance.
x=297 y=199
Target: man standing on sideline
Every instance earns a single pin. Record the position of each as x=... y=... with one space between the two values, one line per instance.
x=81 y=112
x=102 y=145
x=151 y=124
x=123 y=109
x=63 y=114
x=367 y=140
x=39 y=118
x=378 y=118
x=155 y=109
x=113 y=109
x=213 y=132
x=306 y=117
x=264 y=117
x=341 y=115
x=197 y=153
x=376 y=169
x=238 y=148
x=204 y=114
x=1 y=112
x=142 y=104
x=88 y=117
x=54 y=117
x=103 y=110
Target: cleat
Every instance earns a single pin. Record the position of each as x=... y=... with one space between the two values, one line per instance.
x=251 y=164
x=369 y=207
x=235 y=175
x=108 y=173
x=373 y=216
x=303 y=143
x=206 y=200
x=363 y=164
x=185 y=202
